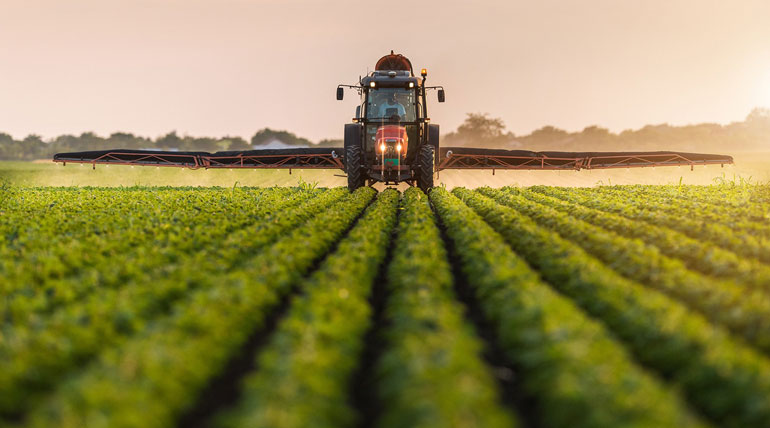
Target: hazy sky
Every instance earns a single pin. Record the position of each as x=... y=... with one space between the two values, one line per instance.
x=216 y=67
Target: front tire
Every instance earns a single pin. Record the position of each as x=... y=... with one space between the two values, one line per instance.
x=353 y=167
x=427 y=159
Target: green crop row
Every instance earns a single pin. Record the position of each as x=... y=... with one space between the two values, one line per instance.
x=744 y=311
x=728 y=381
x=41 y=349
x=158 y=374
x=431 y=373
x=742 y=244
x=698 y=255
x=739 y=200
x=578 y=375
x=119 y=260
x=749 y=219
x=76 y=230
x=303 y=373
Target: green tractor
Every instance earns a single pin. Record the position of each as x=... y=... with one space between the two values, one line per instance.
x=391 y=139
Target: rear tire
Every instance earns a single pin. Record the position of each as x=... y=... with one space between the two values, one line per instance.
x=433 y=137
x=353 y=161
x=426 y=159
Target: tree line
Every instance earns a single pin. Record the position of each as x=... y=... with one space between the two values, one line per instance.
x=478 y=130
x=752 y=134
x=34 y=147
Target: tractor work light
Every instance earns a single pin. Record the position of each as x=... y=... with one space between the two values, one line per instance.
x=372 y=84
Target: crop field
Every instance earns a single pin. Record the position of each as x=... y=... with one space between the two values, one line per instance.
x=613 y=306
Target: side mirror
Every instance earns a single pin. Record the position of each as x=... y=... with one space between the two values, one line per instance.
x=340 y=93
x=441 y=96
x=358 y=112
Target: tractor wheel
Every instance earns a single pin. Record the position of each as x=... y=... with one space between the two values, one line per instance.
x=433 y=136
x=427 y=156
x=353 y=161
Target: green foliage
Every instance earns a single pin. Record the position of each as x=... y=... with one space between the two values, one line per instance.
x=432 y=373
x=697 y=254
x=725 y=379
x=679 y=216
x=180 y=353
x=614 y=306
x=577 y=373
x=305 y=370
x=744 y=311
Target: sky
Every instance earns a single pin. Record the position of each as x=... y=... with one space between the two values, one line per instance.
x=231 y=67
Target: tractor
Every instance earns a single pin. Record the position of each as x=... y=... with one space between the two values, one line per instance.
x=391 y=139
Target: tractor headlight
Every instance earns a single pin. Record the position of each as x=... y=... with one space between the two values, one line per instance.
x=398 y=147
x=411 y=84
x=372 y=84
x=382 y=147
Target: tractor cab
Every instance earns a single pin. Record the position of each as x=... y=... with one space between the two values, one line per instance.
x=391 y=123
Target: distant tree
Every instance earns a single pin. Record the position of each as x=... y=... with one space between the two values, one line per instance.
x=596 y=138
x=169 y=141
x=236 y=143
x=330 y=143
x=546 y=138
x=32 y=147
x=124 y=140
x=758 y=113
x=480 y=130
x=267 y=135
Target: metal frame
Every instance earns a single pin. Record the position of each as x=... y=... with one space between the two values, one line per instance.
x=650 y=160
x=303 y=161
x=453 y=161
x=485 y=161
x=287 y=161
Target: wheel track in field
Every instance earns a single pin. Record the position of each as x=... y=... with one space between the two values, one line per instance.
x=444 y=381
x=507 y=374
x=362 y=389
x=224 y=391
x=282 y=390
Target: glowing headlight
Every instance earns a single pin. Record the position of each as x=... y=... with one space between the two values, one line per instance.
x=372 y=84
x=411 y=84
x=398 y=147
x=382 y=147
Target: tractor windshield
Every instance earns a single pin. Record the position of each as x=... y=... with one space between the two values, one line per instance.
x=391 y=104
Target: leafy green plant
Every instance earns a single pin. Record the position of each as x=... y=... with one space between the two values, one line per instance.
x=430 y=347
x=577 y=373
x=728 y=381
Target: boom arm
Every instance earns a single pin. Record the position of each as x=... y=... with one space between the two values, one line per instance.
x=317 y=158
x=475 y=158
x=449 y=158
